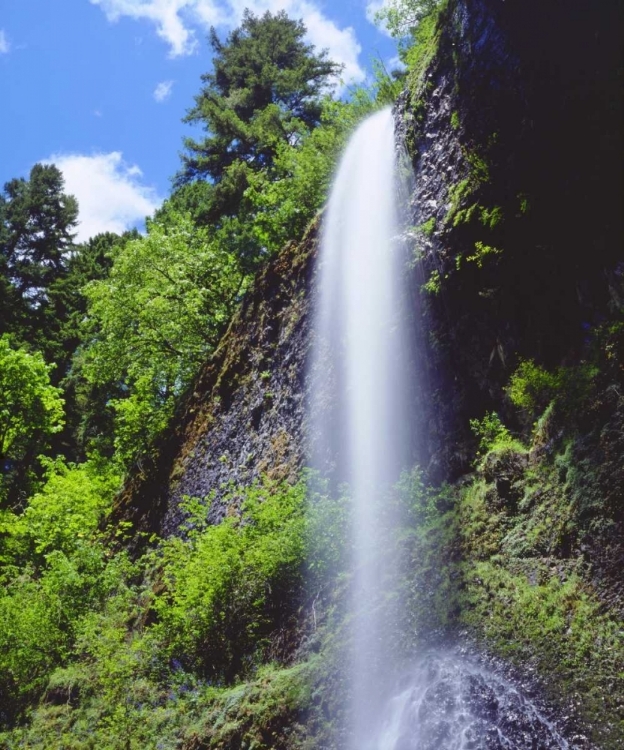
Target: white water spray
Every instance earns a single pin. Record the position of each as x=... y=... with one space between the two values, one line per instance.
x=360 y=419
x=358 y=331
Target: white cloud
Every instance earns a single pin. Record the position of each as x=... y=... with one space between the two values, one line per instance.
x=177 y=22
x=395 y=63
x=372 y=8
x=163 y=91
x=165 y=14
x=5 y=47
x=111 y=196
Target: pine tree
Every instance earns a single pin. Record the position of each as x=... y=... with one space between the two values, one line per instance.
x=265 y=88
x=37 y=220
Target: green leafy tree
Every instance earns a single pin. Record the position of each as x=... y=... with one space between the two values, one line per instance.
x=153 y=321
x=85 y=403
x=402 y=17
x=31 y=410
x=265 y=89
x=67 y=510
x=280 y=202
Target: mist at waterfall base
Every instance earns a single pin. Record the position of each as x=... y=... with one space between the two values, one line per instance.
x=362 y=421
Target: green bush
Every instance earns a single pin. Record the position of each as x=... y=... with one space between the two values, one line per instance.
x=40 y=618
x=228 y=587
x=532 y=387
x=69 y=506
x=493 y=435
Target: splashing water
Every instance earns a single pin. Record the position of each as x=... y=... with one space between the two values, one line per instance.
x=361 y=410
x=449 y=703
x=358 y=327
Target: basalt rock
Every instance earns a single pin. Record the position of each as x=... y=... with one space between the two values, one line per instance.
x=514 y=135
x=245 y=415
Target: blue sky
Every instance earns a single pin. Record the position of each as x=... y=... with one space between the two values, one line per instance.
x=100 y=87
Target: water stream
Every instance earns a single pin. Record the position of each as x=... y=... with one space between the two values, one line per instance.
x=359 y=321
x=442 y=703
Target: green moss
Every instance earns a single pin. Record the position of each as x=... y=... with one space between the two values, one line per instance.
x=434 y=284
x=549 y=618
x=522 y=594
x=491 y=217
x=428 y=227
x=524 y=204
x=457 y=194
x=455 y=120
x=479 y=168
x=420 y=55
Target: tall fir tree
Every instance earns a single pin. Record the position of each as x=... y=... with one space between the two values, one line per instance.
x=266 y=88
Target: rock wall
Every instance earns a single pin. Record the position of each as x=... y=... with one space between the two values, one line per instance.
x=514 y=131
x=512 y=123
x=245 y=414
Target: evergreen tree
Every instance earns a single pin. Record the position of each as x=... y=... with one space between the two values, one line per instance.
x=266 y=88
x=36 y=237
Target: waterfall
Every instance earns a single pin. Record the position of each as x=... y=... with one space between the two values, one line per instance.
x=361 y=411
x=360 y=349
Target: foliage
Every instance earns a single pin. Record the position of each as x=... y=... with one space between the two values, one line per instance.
x=491 y=217
x=69 y=506
x=153 y=321
x=532 y=387
x=282 y=201
x=54 y=569
x=433 y=285
x=482 y=253
x=264 y=90
x=31 y=409
x=417 y=52
x=36 y=223
x=458 y=192
x=555 y=618
x=427 y=545
x=428 y=227
x=402 y=17
x=40 y=615
x=229 y=586
x=492 y=434
x=229 y=591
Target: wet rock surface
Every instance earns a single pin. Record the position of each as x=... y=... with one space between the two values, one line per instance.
x=451 y=703
x=491 y=128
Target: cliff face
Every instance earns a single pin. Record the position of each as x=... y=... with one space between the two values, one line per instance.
x=512 y=121
x=245 y=415
x=514 y=132
x=513 y=125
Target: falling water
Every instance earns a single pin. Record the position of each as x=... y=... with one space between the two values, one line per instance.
x=358 y=330
x=361 y=413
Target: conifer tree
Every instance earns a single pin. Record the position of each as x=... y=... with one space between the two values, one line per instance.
x=266 y=88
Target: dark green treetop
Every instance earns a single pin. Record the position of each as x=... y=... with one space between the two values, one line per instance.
x=266 y=88
x=37 y=220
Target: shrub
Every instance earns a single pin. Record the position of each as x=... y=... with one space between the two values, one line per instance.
x=492 y=434
x=227 y=586
x=532 y=387
x=69 y=506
